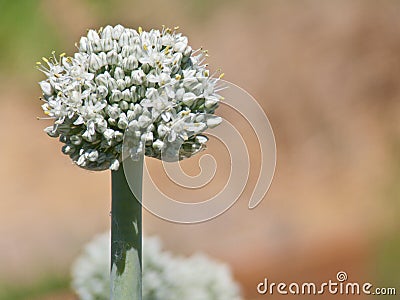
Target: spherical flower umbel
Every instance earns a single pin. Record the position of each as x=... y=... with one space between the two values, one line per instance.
x=151 y=85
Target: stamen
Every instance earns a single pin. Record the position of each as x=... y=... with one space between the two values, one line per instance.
x=197 y=50
x=217 y=71
x=220 y=89
x=45 y=118
x=201 y=60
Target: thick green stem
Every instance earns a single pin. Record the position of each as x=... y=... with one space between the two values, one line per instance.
x=126 y=233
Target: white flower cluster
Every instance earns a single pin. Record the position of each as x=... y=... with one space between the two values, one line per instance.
x=150 y=84
x=165 y=277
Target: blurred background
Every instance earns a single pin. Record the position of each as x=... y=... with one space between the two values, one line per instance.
x=327 y=73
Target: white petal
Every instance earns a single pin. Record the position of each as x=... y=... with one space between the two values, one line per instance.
x=213 y=122
x=46 y=88
x=189 y=98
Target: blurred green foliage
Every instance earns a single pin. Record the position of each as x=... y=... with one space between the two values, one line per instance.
x=45 y=286
x=25 y=36
x=388 y=262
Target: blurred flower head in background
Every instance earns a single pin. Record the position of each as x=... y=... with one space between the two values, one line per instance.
x=165 y=276
x=150 y=83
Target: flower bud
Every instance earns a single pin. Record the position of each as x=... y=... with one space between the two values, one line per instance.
x=75 y=140
x=101 y=125
x=123 y=105
x=81 y=161
x=128 y=81
x=112 y=57
x=130 y=63
x=63 y=139
x=101 y=80
x=144 y=121
x=126 y=95
x=67 y=149
x=118 y=136
x=114 y=165
x=117 y=32
x=83 y=44
x=112 y=122
x=96 y=45
x=107 y=32
x=51 y=131
x=113 y=111
x=123 y=39
x=158 y=144
x=107 y=44
x=116 y=96
x=95 y=62
x=119 y=73
x=87 y=136
x=123 y=122
x=108 y=134
x=162 y=130
x=93 y=35
x=137 y=76
x=146 y=68
x=121 y=84
x=147 y=137
x=102 y=91
x=188 y=51
x=103 y=58
x=126 y=51
x=112 y=84
x=92 y=155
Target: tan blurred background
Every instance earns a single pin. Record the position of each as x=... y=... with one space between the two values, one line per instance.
x=327 y=73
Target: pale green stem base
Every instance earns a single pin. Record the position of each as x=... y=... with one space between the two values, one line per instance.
x=126 y=234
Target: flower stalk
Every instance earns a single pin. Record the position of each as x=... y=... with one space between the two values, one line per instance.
x=126 y=233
